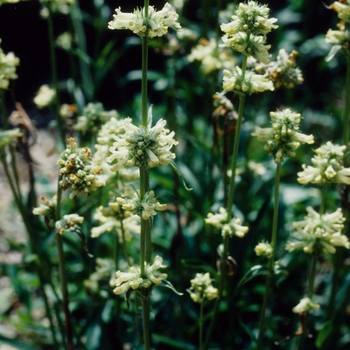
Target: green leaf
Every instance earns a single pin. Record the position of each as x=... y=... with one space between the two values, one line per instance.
x=177 y=171
x=167 y=284
x=254 y=271
x=174 y=343
x=15 y=343
x=324 y=333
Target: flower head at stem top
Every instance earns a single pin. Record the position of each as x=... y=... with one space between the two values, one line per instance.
x=133 y=279
x=264 y=249
x=246 y=33
x=201 y=289
x=77 y=171
x=142 y=146
x=328 y=166
x=153 y=25
x=318 y=234
x=232 y=228
x=284 y=136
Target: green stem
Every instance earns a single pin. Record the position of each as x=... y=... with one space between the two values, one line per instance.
x=310 y=292
x=271 y=261
x=201 y=326
x=236 y=146
x=59 y=119
x=146 y=309
x=63 y=277
x=323 y=199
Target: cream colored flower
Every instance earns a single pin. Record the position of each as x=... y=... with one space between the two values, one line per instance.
x=9 y=136
x=133 y=279
x=141 y=146
x=318 y=233
x=264 y=249
x=45 y=96
x=283 y=138
x=328 y=166
x=8 y=64
x=201 y=289
x=69 y=223
x=156 y=23
x=219 y=221
x=305 y=305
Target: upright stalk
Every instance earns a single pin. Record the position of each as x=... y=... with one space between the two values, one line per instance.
x=145 y=240
x=229 y=209
x=63 y=277
x=201 y=326
x=346 y=118
x=270 y=264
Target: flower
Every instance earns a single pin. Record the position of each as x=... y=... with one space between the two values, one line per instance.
x=142 y=146
x=246 y=33
x=219 y=221
x=145 y=207
x=155 y=23
x=318 y=233
x=343 y=9
x=305 y=305
x=45 y=96
x=8 y=64
x=115 y=219
x=65 y=41
x=9 y=136
x=8 y=2
x=69 y=223
x=250 y=83
x=283 y=138
x=201 y=289
x=94 y=116
x=328 y=166
x=211 y=57
x=133 y=279
x=77 y=171
x=264 y=249
x=284 y=71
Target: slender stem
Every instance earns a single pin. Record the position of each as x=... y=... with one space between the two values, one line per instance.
x=323 y=199
x=236 y=146
x=310 y=292
x=201 y=326
x=271 y=261
x=146 y=309
x=63 y=277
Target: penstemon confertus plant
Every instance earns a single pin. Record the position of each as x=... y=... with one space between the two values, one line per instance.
x=144 y=146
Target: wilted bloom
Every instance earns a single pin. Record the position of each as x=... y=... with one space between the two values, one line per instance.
x=69 y=223
x=328 y=166
x=115 y=219
x=264 y=249
x=45 y=96
x=211 y=57
x=250 y=83
x=201 y=289
x=284 y=71
x=8 y=64
x=142 y=146
x=318 y=233
x=232 y=228
x=145 y=207
x=9 y=136
x=283 y=138
x=77 y=171
x=156 y=23
x=133 y=279
x=246 y=33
